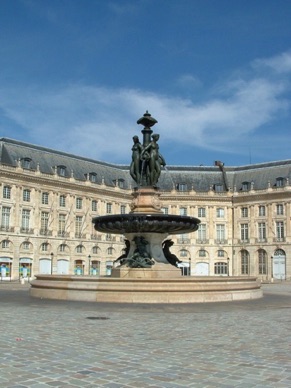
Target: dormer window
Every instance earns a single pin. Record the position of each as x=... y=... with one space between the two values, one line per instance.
x=61 y=170
x=218 y=188
x=246 y=186
x=182 y=187
x=119 y=183
x=92 y=176
x=26 y=163
x=280 y=182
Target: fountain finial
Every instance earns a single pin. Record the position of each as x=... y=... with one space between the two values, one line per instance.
x=147 y=120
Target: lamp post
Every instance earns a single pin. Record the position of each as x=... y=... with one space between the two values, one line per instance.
x=228 y=266
x=89 y=259
x=52 y=259
x=189 y=265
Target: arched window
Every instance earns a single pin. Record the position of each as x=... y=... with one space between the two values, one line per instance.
x=220 y=268
x=245 y=266
x=183 y=253
x=262 y=260
x=80 y=248
x=44 y=247
x=110 y=251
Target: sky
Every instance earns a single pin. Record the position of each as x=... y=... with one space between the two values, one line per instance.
x=76 y=75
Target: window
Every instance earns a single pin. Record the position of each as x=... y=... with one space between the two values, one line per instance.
x=280 y=230
x=26 y=163
x=44 y=219
x=61 y=170
x=5 y=243
x=110 y=251
x=280 y=210
x=93 y=177
x=202 y=232
x=7 y=192
x=262 y=262
x=165 y=210
x=218 y=188
x=220 y=232
x=26 y=245
x=95 y=250
x=182 y=187
x=244 y=232
x=78 y=225
x=219 y=212
x=79 y=203
x=183 y=211
x=25 y=220
x=62 y=201
x=79 y=249
x=44 y=247
x=5 y=217
x=109 y=208
x=183 y=253
x=94 y=206
x=245 y=186
x=201 y=212
x=244 y=212
x=44 y=198
x=220 y=268
x=62 y=248
x=220 y=253
x=119 y=183
x=280 y=182
x=262 y=231
x=26 y=195
x=122 y=209
x=262 y=211
x=202 y=253
x=244 y=262
x=62 y=224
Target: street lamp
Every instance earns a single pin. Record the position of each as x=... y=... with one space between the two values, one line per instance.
x=52 y=258
x=228 y=266
x=189 y=266
x=89 y=258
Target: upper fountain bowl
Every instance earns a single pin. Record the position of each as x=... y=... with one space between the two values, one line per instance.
x=145 y=223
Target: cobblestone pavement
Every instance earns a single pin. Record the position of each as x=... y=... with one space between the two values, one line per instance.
x=47 y=343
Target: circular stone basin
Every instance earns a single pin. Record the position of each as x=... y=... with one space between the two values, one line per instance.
x=145 y=223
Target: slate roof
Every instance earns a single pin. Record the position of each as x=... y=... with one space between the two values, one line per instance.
x=200 y=178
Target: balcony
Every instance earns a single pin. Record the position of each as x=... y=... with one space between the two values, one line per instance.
x=96 y=237
x=221 y=241
x=261 y=240
x=4 y=228
x=183 y=241
x=45 y=232
x=63 y=234
x=244 y=241
x=202 y=241
x=279 y=239
x=80 y=235
x=26 y=230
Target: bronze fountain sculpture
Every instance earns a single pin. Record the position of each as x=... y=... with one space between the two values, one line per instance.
x=146 y=227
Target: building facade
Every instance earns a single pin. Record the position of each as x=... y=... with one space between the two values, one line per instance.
x=49 y=198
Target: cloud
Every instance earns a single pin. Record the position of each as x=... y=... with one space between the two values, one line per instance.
x=99 y=122
x=279 y=63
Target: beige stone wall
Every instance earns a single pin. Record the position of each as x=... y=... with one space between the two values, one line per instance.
x=27 y=243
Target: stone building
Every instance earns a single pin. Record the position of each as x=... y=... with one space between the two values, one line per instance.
x=48 y=200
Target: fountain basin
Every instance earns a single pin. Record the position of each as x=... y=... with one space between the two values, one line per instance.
x=145 y=223
x=146 y=290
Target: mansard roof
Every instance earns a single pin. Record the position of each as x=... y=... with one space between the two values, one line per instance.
x=199 y=178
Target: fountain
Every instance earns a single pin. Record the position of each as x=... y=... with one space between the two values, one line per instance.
x=147 y=272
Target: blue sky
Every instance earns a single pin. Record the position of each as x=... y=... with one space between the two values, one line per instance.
x=76 y=75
